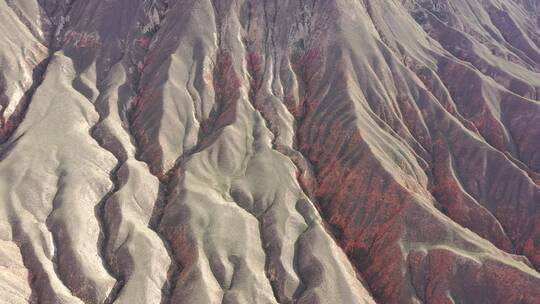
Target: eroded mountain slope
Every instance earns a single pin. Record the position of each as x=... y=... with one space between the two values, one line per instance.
x=234 y=151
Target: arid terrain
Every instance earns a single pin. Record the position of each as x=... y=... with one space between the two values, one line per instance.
x=269 y=151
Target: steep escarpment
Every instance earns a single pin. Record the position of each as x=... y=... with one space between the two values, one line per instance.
x=251 y=151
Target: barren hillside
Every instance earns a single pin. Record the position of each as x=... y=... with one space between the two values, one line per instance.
x=269 y=151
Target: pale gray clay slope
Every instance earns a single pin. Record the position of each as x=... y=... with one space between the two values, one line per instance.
x=257 y=151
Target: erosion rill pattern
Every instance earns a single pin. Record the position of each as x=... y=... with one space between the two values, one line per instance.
x=250 y=151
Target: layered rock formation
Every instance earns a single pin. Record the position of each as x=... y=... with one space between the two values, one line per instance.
x=251 y=151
